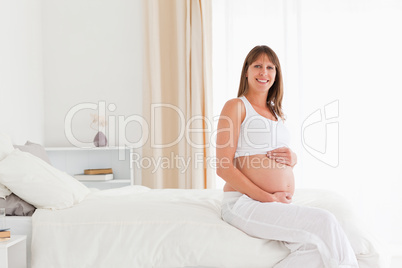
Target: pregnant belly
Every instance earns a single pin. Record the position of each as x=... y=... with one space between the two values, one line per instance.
x=265 y=173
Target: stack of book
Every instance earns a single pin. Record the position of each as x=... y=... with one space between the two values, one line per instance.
x=100 y=174
x=4 y=235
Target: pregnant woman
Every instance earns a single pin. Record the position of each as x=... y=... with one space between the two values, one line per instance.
x=256 y=162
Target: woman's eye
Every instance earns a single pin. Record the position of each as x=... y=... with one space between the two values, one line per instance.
x=268 y=67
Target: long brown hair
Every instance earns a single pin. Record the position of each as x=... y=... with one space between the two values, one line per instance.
x=275 y=93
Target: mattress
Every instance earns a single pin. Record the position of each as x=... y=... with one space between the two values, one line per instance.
x=138 y=227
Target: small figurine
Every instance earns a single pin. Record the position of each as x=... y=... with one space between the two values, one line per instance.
x=98 y=123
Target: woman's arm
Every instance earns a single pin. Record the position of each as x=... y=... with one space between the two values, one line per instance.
x=232 y=115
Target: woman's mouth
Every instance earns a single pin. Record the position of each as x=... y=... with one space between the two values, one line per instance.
x=262 y=80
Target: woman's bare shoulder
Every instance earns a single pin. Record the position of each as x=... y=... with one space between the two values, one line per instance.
x=234 y=101
x=233 y=108
x=233 y=105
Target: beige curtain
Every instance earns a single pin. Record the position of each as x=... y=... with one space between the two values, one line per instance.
x=177 y=94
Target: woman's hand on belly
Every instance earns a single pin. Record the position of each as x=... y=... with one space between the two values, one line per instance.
x=282 y=197
x=283 y=155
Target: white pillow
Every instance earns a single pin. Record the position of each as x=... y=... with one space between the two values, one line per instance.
x=38 y=183
x=4 y=191
x=34 y=149
x=6 y=147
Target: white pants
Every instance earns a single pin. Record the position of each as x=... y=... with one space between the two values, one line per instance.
x=314 y=237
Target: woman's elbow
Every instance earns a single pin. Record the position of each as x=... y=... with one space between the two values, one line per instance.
x=222 y=169
x=219 y=171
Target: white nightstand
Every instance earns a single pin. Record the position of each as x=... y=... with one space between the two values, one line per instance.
x=13 y=252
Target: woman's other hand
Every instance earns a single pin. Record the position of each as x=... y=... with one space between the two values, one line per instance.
x=282 y=197
x=283 y=155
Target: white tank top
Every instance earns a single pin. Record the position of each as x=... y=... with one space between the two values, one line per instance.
x=258 y=134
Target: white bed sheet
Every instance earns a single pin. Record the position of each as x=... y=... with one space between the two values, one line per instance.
x=139 y=227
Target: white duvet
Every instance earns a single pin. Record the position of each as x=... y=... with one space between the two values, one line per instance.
x=138 y=227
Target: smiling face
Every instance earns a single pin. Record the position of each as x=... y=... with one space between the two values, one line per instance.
x=261 y=74
x=267 y=80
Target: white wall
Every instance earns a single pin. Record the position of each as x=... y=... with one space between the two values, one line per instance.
x=356 y=62
x=57 y=54
x=92 y=53
x=21 y=73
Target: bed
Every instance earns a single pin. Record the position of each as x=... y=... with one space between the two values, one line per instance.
x=135 y=226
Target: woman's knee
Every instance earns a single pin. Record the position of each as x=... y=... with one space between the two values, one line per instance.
x=326 y=218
